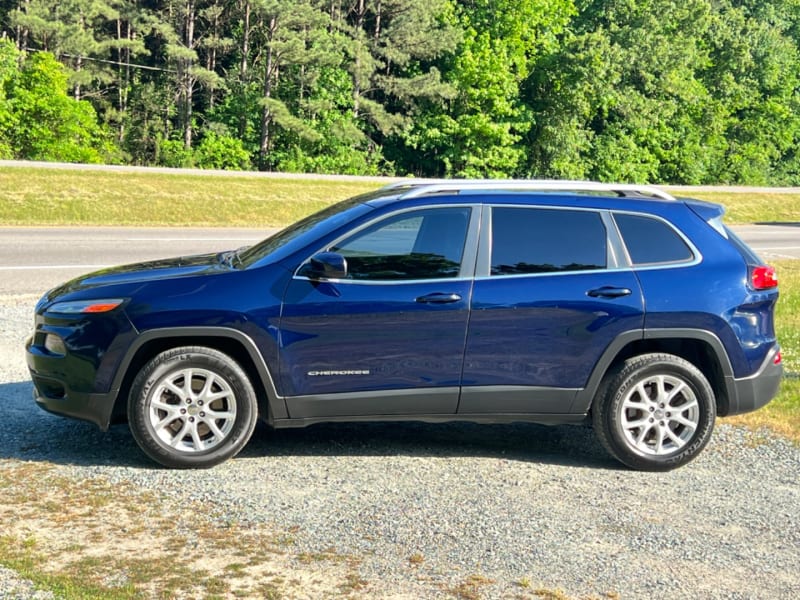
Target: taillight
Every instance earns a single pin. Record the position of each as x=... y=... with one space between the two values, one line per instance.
x=763 y=277
x=778 y=358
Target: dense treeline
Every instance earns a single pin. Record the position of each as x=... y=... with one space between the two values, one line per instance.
x=694 y=91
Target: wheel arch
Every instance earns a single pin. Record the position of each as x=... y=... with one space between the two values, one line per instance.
x=700 y=347
x=232 y=342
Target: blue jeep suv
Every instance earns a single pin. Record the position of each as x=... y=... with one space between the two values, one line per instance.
x=484 y=301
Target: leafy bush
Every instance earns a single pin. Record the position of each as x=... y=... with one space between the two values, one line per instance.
x=221 y=152
x=38 y=120
x=173 y=153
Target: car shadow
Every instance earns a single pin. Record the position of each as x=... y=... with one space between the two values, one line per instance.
x=31 y=434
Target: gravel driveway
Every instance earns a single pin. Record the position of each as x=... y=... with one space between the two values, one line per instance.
x=541 y=506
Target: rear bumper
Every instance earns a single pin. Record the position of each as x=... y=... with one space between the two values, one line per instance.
x=751 y=393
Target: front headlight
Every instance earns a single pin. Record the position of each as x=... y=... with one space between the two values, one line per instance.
x=86 y=306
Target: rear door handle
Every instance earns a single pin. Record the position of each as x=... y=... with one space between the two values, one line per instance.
x=608 y=291
x=439 y=298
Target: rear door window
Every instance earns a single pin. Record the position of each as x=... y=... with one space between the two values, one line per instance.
x=542 y=240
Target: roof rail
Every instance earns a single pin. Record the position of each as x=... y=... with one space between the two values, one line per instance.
x=421 y=187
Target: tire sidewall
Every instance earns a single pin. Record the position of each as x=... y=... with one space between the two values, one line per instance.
x=161 y=367
x=621 y=386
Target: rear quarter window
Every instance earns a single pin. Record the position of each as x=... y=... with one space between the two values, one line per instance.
x=651 y=241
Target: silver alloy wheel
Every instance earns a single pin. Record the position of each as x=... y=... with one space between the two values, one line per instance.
x=660 y=415
x=192 y=410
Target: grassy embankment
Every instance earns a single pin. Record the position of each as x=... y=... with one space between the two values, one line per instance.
x=54 y=197
x=32 y=196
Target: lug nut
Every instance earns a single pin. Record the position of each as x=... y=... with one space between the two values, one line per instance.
x=199 y=403
x=191 y=419
x=202 y=414
x=183 y=411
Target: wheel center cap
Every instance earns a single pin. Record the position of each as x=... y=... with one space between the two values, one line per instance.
x=659 y=414
x=193 y=410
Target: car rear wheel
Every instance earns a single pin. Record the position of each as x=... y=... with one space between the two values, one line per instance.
x=192 y=407
x=656 y=412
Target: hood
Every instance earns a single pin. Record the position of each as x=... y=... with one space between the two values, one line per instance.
x=168 y=268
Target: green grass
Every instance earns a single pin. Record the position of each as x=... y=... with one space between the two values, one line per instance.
x=28 y=565
x=36 y=196
x=783 y=413
x=744 y=208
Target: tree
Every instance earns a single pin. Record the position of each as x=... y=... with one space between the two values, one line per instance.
x=620 y=98
x=43 y=122
x=8 y=75
x=478 y=131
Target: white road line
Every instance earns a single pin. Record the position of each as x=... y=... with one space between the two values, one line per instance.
x=775 y=247
x=158 y=239
x=45 y=267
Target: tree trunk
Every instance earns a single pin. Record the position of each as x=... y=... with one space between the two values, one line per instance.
x=377 y=20
x=243 y=66
x=266 y=115
x=22 y=33
x=78 y=66
x=359 y=28
x=245 y=40
x=188 y=80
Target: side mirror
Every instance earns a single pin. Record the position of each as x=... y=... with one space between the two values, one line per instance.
x=326 y=265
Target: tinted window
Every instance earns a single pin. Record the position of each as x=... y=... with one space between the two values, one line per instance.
x=423 y=244
x=542 y=240
x=651 y=241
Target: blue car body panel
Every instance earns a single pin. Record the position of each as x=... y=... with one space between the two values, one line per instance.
x=544 y=330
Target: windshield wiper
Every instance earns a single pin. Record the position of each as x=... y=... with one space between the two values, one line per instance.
x=228 y=258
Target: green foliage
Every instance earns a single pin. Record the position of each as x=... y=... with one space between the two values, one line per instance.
x=692 y=92
x=39 y=121
x=700 y=91
x=221 y=152
x=480 y=131
x=8 y=73
x=173 y=153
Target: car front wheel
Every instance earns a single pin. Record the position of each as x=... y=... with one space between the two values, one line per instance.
x=656 y=413
x=192 y=407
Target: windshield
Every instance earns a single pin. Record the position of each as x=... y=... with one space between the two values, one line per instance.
x=303 y=232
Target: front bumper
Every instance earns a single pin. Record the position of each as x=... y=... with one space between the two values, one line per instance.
x=52 y=392
x=751 y=393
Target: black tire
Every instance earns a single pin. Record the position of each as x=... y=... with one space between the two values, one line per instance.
x=655 y=413
x=198 y=428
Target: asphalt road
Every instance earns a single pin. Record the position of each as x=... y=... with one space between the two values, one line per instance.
x=34 y=259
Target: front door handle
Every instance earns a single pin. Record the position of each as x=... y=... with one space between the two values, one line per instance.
x=439 y=298
x=608 y=291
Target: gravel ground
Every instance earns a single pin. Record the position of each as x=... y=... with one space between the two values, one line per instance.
x=510 y=503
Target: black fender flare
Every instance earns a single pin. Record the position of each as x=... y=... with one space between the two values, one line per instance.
x=277 y=405
x=585 y=397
